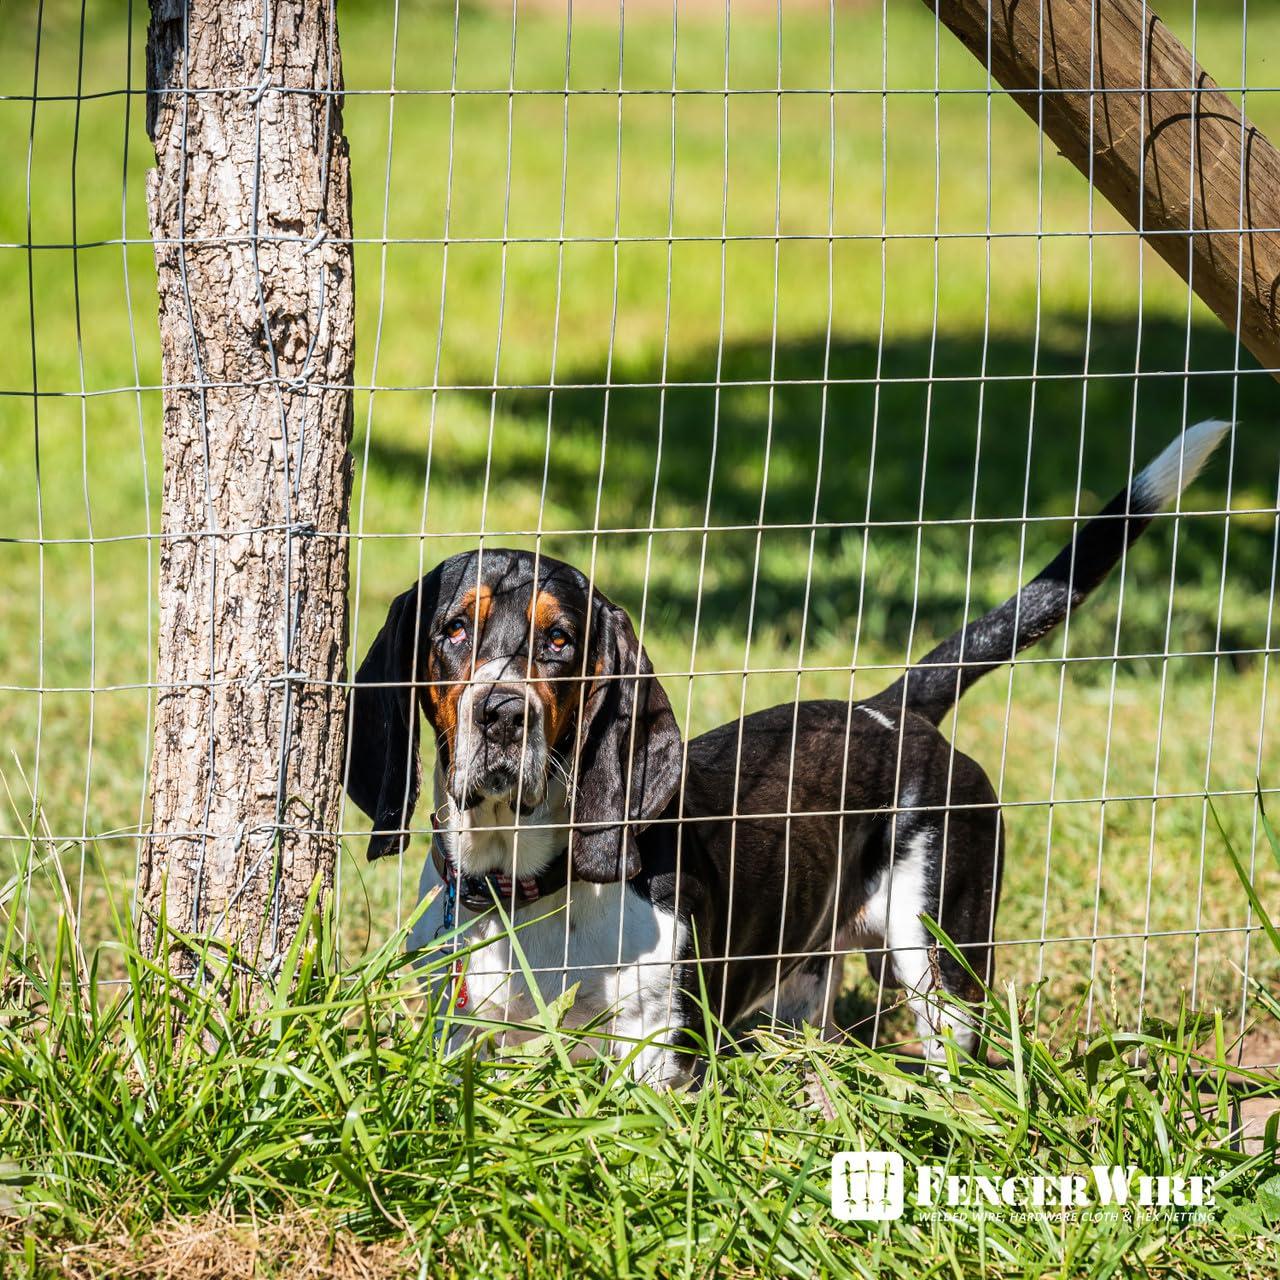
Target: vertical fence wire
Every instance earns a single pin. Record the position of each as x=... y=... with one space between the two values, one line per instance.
x=33 y=815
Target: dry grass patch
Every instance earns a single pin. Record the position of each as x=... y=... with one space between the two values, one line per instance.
x=220 y=1245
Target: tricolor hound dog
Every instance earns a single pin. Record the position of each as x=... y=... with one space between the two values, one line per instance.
x=756 y=853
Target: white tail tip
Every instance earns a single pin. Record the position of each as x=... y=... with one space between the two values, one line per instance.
x=1161 y=480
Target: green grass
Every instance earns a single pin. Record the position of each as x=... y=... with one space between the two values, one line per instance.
x=930 y=441
x=139 y=1123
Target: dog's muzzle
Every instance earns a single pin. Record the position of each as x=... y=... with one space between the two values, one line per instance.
x=501 y=751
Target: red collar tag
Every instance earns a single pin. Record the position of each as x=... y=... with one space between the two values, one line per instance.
x=461 y=996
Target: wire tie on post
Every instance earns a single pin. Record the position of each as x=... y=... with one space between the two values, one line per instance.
x=316 y=240
x=257 y=94
x=286 y=677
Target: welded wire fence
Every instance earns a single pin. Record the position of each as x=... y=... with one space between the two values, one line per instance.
x=788 y=330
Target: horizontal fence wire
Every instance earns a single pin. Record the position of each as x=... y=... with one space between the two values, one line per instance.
x=803 y=390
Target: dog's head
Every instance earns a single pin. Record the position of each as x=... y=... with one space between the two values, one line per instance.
x=520 y=680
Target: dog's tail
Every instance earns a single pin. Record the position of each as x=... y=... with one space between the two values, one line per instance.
x=936 y=683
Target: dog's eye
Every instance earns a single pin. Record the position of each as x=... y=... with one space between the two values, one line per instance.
x=455 y=630
x=558 y=639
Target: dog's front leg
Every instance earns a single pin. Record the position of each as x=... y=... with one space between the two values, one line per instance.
x=646 y=1025
x=442 y=980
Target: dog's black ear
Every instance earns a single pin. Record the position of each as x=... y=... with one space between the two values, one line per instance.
x=383 y=769
x=629 y=754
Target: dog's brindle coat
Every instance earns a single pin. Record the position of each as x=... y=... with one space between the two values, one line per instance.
x=775 y=844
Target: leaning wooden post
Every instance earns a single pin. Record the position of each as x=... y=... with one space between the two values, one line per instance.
x=1127 y=104
x=250 y=209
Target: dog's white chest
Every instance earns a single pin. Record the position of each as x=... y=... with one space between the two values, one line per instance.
x=619 y=950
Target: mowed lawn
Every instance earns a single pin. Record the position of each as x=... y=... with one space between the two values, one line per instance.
x=831 y=373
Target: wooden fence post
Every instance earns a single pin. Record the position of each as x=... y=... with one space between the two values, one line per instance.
x=250 y=209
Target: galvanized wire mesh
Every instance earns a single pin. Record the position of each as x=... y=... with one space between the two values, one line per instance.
x=684 y=233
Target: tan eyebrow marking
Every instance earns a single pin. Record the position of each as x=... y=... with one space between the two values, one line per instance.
x=440 y=700
x=476 y=605
x=559 y=698
x=547 y=609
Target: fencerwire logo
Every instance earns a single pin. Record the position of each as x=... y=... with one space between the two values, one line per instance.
x=872 y=1186
x=867 y=1186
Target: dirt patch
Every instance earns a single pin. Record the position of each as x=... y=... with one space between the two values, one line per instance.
x=217 y=1246
x=1258 y=1051
x=1251 y=1120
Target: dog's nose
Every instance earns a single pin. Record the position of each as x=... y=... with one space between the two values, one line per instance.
x=500 y=714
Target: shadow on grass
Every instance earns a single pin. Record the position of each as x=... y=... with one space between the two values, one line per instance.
x=914 y=447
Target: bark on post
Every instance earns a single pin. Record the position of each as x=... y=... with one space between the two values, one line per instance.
x=251 y=214
x=1167 y=144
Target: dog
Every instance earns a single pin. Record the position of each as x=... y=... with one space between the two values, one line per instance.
x=740 y=866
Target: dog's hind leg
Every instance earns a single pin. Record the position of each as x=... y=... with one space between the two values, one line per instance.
x=936 y=987
x=947 y=866
x=808 y=994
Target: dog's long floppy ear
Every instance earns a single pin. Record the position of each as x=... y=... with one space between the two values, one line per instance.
x=624 y=778
x=384 y=772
